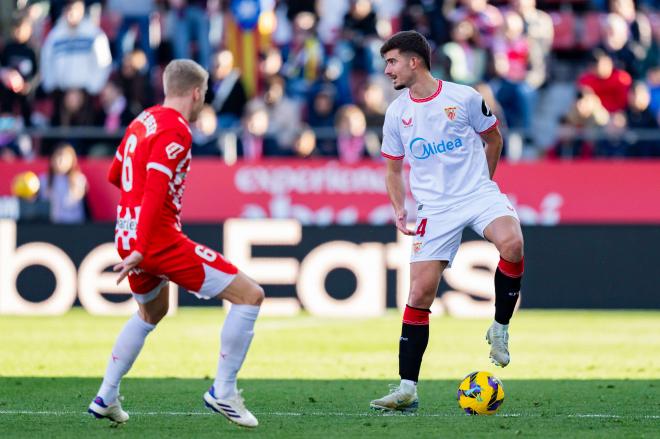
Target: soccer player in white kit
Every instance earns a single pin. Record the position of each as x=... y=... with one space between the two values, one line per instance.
x=441 y=128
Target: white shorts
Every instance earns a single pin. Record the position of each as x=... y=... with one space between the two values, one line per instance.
x=439 y=238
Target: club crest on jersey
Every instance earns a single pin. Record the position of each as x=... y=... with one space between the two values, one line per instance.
x=450 y=112
x=407 y=123
x=173 y=150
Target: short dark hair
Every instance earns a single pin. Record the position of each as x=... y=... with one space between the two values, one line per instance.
x=409 y=41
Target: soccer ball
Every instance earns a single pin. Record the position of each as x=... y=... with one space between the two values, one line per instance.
x=480 y=393
x=25 y=185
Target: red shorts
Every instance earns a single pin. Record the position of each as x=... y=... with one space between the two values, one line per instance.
x=195 y=267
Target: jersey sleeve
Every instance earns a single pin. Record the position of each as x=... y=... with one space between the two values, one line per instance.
x=168 y=150
x=392 y=148
x=480 y=115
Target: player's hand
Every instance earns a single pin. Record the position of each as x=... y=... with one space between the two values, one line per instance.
x=130 y=262
x=402 y=222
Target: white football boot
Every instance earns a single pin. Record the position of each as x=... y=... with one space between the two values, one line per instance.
x=498 y=339
x=401 y=398
x=113 y=411
x=232 y=408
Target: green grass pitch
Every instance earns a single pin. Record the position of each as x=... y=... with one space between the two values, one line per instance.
x=573 y=374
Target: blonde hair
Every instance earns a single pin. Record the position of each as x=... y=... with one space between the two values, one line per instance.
x=183 y=75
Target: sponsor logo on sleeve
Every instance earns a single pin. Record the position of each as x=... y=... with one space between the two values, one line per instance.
x=485 y=109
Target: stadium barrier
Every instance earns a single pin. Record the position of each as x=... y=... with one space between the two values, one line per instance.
x=322 y=192
x=336 y=271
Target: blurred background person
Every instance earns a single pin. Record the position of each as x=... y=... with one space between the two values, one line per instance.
x=609 y=83
x=511 y=60
x=75 y=62
x=134 y=18
x=226 y=93
x=205 y=133
x=65 y=187
x=351 y=127
x=640 y=117
x=462 y=60
x=187 y=21
x=18 y=70
x=253 y=141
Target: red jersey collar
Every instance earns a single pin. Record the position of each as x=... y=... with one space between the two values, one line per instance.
x=436 y=93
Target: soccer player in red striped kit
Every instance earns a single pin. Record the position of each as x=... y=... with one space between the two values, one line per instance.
x=150 y=169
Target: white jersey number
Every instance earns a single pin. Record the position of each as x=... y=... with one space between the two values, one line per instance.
x=127 y=163
x=205 y=253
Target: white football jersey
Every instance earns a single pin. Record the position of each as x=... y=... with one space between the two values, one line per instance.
x=439 y=136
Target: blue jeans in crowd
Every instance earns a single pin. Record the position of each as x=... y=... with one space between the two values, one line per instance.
x=191 y=24
x=142 y=23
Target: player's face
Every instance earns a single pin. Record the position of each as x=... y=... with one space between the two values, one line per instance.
x=397 y=68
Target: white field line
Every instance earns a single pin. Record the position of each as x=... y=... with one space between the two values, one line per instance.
x=336 y=414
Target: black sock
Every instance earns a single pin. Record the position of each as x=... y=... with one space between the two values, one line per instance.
x=413 y=342
x=507 y=290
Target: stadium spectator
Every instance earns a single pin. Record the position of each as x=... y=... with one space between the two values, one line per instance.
x=511 y=59
x=486 y=18
x=427 y=18
x=638 y=24
x=358 y=31
x=75 y=110
x=351 y=126
x=18 y=70
x=133 y=14
x=539 y=31
x=284 y=115
x=135 y=81
x=253 y=140
x=640 y=117
x=617 y=45
x=115 y=112
x=226 y=93
x=586 y=114
x=205 y=133
x=64 y=186
x=321 y=118
x=305 y=57
x=461 y=59
x=76 y=53
x=653 y=82
x=188 y=21
x=610 y=84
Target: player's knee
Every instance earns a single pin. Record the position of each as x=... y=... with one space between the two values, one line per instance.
x=256 y=295
x=155 y=315
x=421 y=296
x=512 y=249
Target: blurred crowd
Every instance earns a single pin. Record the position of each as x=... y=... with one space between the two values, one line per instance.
x=304 y=78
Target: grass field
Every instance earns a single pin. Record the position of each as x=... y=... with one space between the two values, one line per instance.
x=573 y=374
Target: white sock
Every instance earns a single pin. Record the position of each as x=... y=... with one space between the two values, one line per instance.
x=237 y=333
x=500 y=326
x=408 y=386
x=126 y=349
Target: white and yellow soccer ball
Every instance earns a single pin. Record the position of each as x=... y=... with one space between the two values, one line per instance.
x=480 y=393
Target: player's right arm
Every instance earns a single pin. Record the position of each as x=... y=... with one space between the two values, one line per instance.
x=392 y=150
x=396 y=190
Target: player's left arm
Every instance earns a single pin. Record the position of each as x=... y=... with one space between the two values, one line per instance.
x=483 y=121
x=494 y=142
